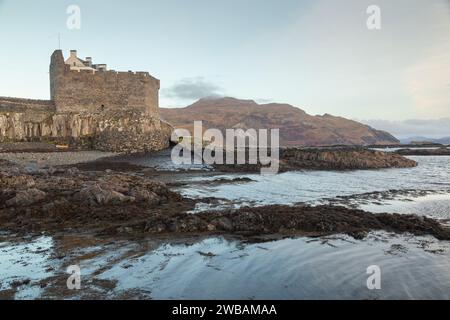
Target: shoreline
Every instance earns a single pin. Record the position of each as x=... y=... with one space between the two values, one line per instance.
x=133 y=201
x=290 y=159
x=443 y=151
x=112 y=212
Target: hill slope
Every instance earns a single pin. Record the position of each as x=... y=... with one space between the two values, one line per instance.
x=297 y=128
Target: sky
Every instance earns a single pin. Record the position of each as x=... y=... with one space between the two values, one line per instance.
x=413 y=128
x=318 y=55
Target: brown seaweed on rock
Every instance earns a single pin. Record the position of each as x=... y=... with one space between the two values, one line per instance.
x=327 y=158
x=111 y=203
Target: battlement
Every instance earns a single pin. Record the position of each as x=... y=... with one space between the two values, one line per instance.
x=143 y=74
x=78 y=89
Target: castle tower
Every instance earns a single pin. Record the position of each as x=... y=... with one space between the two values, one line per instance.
x=57 y=67
x=98 y=90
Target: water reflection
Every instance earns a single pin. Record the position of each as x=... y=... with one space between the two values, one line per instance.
x=24 y=264
x=333 y=268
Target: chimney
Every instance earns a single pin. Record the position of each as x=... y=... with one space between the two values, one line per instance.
x=89 y=61
x=73 y=53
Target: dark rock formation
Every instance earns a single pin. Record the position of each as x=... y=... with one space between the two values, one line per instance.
x=320 y=220
x=110 y=203
x=342 y=158
x=333 y=158
x=443 y=151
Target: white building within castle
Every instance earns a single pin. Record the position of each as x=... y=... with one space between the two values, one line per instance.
x=78 y=64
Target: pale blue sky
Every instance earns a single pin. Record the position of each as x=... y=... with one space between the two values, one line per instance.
x=315 y=54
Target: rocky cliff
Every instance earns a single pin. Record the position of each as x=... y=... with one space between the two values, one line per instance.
x=297 y=128
x=119 y=131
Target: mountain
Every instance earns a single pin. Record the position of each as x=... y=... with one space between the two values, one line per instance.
x=297 y=128
x=444 y=140
x=414 y=129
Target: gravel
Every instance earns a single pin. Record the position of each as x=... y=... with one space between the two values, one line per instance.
x=49 y=159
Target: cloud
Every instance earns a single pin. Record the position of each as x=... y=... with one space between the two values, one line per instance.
x=193 y=89
x=434 y=128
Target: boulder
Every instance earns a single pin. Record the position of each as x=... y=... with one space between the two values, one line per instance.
x=145 y=196
x=26 y=197
x=96 y=195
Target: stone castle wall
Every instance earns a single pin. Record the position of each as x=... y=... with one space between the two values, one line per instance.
x=107 y=111
x=21 y=105
x=86 y=90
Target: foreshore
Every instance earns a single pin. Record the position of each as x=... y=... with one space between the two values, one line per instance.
x=105 y=199
x=52 y=159
x=108 y=214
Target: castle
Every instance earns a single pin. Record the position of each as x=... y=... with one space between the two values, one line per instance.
x=90 y=106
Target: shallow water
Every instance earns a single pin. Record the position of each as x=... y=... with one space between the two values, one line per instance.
x=333 y=268
x=299 y=268
x=25 y=260
x=432 y=173
x=433 y=205
x=160 y=160
x=410 y=148
x=412 y=267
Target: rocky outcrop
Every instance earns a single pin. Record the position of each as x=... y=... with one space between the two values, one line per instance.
x=112 y=202
x=342 y=159
x=26 y=197
x=101 y=195
x=51 y=198
x=118 y=131
x=443 y=151
x=332 y=158
x=319 y=220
